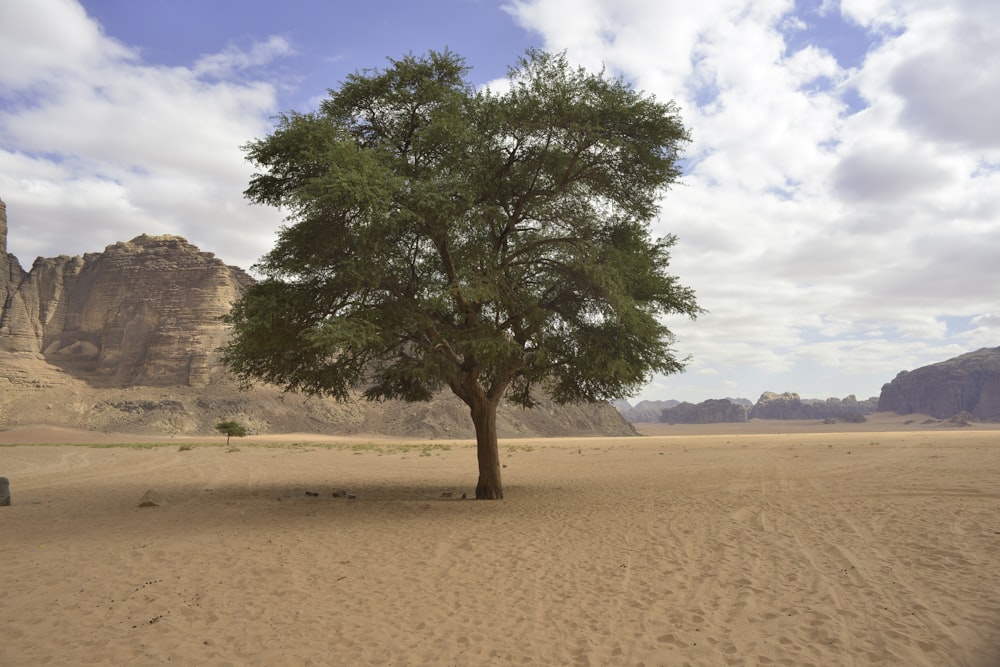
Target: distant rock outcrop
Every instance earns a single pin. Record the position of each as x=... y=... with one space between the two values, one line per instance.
x=126 y=340
x=644 y=412
x=712 y=411
x=790 y=405
x=967 y=383
x=770 y=405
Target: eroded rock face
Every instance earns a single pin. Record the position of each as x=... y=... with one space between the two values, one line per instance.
x=712 y=411
x=143 y=313
x=967 y=383
x=790 y=405
x=647 y=412
x=10 y=271
x=4 y=260
x=770 y=405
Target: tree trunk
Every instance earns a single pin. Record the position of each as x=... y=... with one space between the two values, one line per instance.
x=484 y=416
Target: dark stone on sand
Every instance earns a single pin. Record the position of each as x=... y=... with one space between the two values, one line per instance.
x=4 y=492
x=150 y=499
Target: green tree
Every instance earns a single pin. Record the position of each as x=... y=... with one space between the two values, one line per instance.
x=230 y=429
x=495 y=243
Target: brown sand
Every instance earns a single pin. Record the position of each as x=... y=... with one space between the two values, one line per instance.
x=688 y=547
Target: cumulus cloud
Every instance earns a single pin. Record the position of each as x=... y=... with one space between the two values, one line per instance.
x=839 y=216
x=49 y=41
x=832 y=216
x=882 y=173
x=101 y=146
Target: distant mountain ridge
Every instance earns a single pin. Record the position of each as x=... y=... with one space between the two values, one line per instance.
x=770 y=405
x=712 y=411
x=967 y=384
x=790 y=406
x=643 y=412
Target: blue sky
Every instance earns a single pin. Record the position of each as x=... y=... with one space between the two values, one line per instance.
x=839 y=216
x=327 y=40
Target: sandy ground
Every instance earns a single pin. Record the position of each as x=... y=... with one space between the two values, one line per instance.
x=770 y=544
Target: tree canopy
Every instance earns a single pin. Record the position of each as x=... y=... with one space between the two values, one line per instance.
x=230 y=429
x=496 y=243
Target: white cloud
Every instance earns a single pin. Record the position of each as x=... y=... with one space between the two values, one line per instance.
x=234 y=60
x=46 y=42
x=884 y=172
x=102 y=146
x=834 y=221
x=820 y=234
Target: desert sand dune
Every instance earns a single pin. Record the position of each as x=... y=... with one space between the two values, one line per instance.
x=746 y=548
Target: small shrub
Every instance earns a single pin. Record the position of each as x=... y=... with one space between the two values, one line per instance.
x=231 y=428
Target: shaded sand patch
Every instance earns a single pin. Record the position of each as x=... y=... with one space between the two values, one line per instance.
x=739 y=549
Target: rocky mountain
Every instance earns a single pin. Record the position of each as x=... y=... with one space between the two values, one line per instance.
x=790 y=405
x=643 y=412
x=712 y=411
x=142 y=313
x=967 y=383
x=770 y=405
x=126 y=340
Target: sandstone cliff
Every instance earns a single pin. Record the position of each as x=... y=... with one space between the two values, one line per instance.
x=5 y=272
x=790 y=405
x=967 y=383
x=712 y=411
x=125 y=340
x=140 y=313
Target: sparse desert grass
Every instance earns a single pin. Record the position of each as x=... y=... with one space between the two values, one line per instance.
x=377 y=448
x=124 y=445
x=111 y=445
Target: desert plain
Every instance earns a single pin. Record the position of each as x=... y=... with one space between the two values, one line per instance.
x=765 y=543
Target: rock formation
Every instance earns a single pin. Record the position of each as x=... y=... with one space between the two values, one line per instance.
x=5 y=276
x=140 y=313
x=967 y=383
x=644 y=412
x=126 y=340
x=790 y=405
x=770 y=405
x=712 y=411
